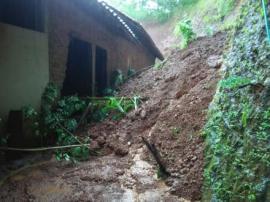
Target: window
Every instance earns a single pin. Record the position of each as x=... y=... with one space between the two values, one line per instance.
x=23 y=13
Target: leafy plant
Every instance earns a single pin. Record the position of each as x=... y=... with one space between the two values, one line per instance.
x=234 y=82
x=56 y=122
x=59 y=119
x=131 y=72
x=160 y=64
x=118 y=78
x=114 y=107
x=32 y=124
x=185 y=30
x=176 y=131
x=109 y=92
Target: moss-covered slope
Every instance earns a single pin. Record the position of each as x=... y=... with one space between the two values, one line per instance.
x=238 y=129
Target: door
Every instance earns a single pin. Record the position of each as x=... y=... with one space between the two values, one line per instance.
x=78 y=80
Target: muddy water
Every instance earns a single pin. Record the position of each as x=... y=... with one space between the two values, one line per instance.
x=108 y=178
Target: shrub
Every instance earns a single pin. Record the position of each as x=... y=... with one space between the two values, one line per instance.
x=118 y=78
x=160 y=64
x=234 y=82
x=185 y=31
x=131 y=72
x=56 y=122
x=109 y=92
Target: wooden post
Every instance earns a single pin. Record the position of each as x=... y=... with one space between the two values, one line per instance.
x=93 y=69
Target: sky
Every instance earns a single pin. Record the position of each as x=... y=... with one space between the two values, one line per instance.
x=151 y=4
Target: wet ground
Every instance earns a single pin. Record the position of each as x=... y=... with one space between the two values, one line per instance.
x=109 y=178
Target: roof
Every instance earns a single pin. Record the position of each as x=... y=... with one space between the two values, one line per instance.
x=120 y=24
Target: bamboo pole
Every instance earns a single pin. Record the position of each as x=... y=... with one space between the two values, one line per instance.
x=39 y=149
x=266 y=19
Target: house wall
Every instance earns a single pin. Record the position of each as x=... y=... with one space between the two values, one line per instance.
x=24 y=67
x=66 y=19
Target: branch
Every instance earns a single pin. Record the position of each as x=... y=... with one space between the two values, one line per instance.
x=152 y=148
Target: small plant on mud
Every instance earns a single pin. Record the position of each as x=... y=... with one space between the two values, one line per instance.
x=118 y=79
x=131 y=72
x=184 y=30
x=115 y=107
x=160 y=64
x=175 y=131
x=161 y=175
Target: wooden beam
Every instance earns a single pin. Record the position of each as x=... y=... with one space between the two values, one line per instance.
x=93 y=70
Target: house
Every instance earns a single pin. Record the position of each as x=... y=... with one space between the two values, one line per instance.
x=76 y=44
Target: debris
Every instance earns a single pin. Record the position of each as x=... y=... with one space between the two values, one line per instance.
x=121 y=151
x=94 y=145
x=101 y=140
x=143 y=114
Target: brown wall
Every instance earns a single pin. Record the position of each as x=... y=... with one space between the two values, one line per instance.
x=66 y=19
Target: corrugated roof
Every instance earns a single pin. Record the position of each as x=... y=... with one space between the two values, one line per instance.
x=120 y=24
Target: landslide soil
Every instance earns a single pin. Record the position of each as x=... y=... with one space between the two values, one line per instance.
x=176 y=99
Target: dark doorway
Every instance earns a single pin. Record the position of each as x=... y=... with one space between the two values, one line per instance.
x=101 y=70
x=78 y=79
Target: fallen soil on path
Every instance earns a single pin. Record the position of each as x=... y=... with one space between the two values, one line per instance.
x=178 y=96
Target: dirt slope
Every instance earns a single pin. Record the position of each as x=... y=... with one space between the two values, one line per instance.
x=173 y=115
x=172 y=118
x=163 y=36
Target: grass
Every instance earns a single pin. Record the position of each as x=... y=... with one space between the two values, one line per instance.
x=207 y=16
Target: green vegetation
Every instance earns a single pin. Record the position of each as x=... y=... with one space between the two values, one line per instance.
x=60 y=118
x=238 y=128
x=176 y=131
x=3 y=141
x=160 y=64
x=208 y=16
x=118 y=79
x=148 y=10
x=131 y=72
x=185 y=30
x=234 y=82
x=56 y=123
x=209 y=12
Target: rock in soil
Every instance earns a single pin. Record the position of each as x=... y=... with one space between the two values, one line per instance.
x=215 y=61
